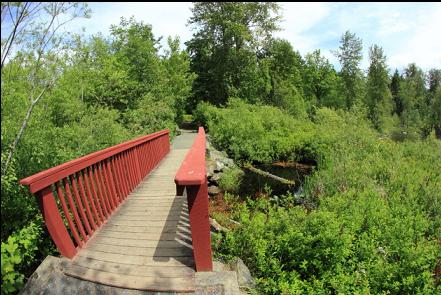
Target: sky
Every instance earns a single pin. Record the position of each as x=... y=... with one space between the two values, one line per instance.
x=408 y=32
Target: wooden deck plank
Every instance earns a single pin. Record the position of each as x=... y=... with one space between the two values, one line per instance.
x=137 y=259
x=143 y=236
x=136 y=270
x=132 y=282
x=175 y=243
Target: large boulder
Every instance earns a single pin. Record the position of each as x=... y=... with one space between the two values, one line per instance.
x=244 y=277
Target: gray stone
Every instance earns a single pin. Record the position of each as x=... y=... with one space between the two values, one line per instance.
x=49 y=279
x=224 y=281
x=219 y=166
x=244 y=277
x=213 y=190
x=228 y=162
x=216 y=177
x=210 y=166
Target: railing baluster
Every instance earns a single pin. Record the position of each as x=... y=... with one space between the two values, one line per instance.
x=127 y=171
x=67 y=215
x=116 y=179
x=80 y=205
x=137 y=164
x=100 y=192
x=131 y=166
x=91 y=197
x=110 y=184
x=85 y=200
x=74 y=210
x=122 y=176
x=95 y=196
x=104 y=189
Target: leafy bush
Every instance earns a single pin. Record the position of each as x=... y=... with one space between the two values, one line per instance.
x=375 y=227
x=17 y=253
x=231 y=179
x=258 y=133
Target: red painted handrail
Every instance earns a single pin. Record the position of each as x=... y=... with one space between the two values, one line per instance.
x=90 y=188
x=192 y=177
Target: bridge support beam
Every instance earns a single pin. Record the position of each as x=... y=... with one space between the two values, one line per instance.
x=197 y=196
x=55 y=224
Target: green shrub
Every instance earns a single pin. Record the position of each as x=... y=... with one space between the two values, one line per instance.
x=18 y=253
x=231 y=179
x=375 y=227
x=258 y=133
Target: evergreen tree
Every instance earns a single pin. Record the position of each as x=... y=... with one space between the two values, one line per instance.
x=395 y=87
x=413 y=91
x=378 y=96
x=350 y=56
x=434 y=100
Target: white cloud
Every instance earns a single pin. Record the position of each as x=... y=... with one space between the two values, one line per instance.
x=423 y=44
x=408 y=32
x=298 y=18
x=167 y=19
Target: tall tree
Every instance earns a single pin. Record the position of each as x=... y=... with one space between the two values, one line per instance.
x=34 y=34
x=350 y=56
x=285 y=68
x=395 y=86
x=413 y=91
x=434 y=100
x=321 y=82
x=224 y=47
x=378 y=95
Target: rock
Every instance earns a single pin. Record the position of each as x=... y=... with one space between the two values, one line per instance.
x=219 y=166
x=216 y=177
x=244 y=277
x=210 y=166
x=213 y=190
x=222 y=282
x=228 y=162
x=49 y=279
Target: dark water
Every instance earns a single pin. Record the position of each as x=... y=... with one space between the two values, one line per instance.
x=253 y=184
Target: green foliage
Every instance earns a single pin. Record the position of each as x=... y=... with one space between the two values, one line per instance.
x=375 y=227
x=258 y=133
x=321 y=82
x=107 y=91
x=231 y=179
x=18 y=252
x=224 y=49
x=350 y=56
x=152 y=114
x=378 y=95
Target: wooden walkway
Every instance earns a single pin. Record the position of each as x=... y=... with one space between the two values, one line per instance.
x=146 y=244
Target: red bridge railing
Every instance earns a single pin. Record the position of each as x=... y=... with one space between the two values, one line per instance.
x=192 y=178
x=90 y=188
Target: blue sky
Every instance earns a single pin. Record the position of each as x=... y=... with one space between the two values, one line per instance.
x=408 y=32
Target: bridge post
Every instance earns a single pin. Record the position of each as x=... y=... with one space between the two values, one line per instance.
x=55 y=224
x=197 y=196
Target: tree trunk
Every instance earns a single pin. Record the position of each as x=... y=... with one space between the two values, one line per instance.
x=269 y=175
x=21 y=131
